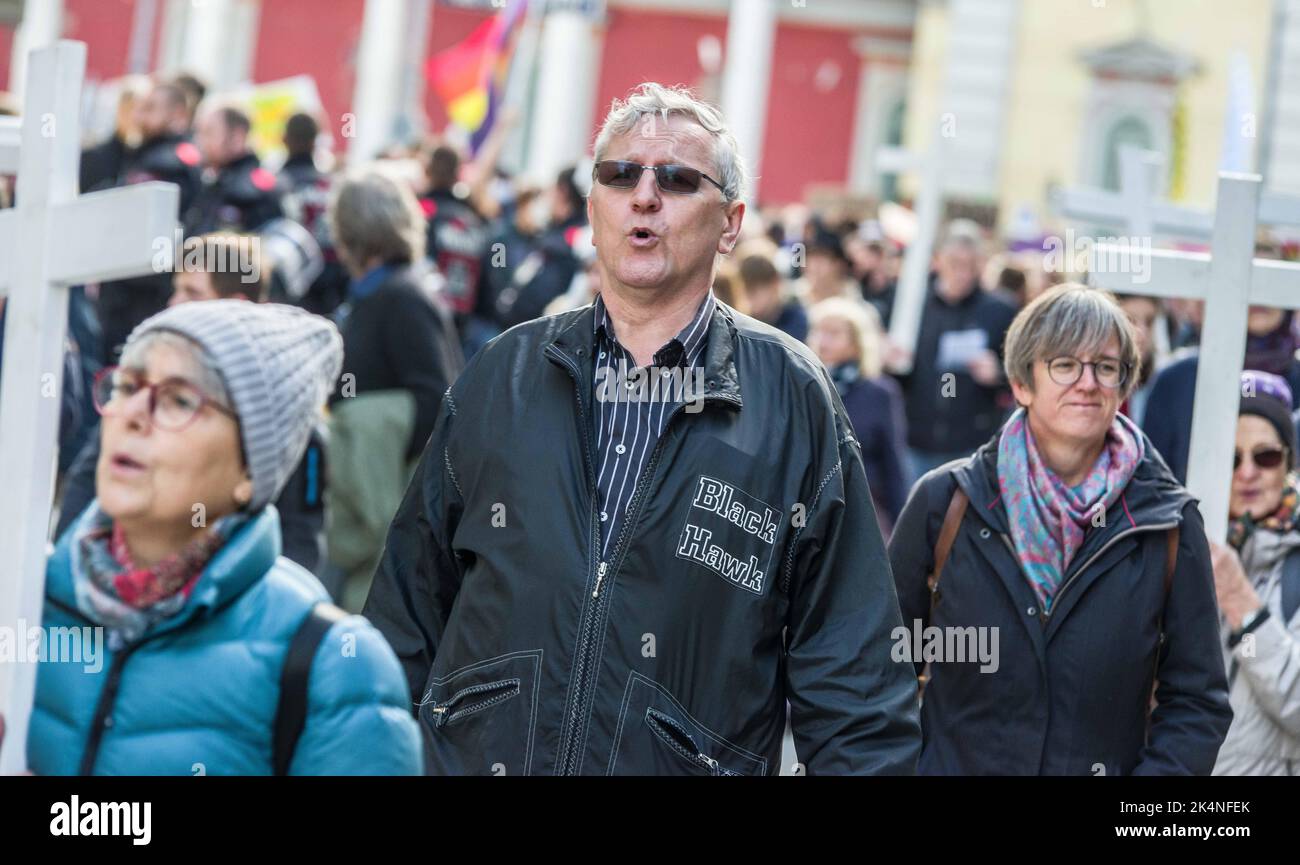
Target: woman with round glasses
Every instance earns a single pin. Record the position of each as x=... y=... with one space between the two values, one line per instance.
x=174 y=580
x=1257 y=578
x=1056 y=585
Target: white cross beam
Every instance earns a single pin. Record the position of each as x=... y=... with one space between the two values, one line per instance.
x=1139 y=211
x=913 y=280
x=1229 y=279
x=51 y=240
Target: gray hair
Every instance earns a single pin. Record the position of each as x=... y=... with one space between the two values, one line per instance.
x=373 y=214
x=1069 y=319
x=654 y=99
x=204 y=372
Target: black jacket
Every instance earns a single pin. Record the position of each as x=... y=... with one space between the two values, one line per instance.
x=242 y=196
x=525 y=654
x=954 y=415
x=125 y=303
x=396 y=337
x=1070 y=693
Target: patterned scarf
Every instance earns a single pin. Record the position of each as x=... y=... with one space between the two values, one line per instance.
x=1283 y=520
x=1273 y=352
x=128 y=599
x=1048 y=518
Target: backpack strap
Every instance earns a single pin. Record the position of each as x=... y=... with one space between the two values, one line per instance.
x=1290 y=586
x=291 y=712
x=947 y=535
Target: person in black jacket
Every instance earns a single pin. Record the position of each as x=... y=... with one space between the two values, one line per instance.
x=846 y=335
x=955 y=391
x=165 y=154
x=237 y=194
x=642 y=528
x=1078 y=578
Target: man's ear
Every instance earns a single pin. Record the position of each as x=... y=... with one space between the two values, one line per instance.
x=735 y=214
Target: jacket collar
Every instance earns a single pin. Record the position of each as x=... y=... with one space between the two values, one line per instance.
x=575 y=338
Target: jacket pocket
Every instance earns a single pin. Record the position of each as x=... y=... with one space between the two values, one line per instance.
x=679 y=740
x=480 y=718
x=655 y=735
x=473 y=699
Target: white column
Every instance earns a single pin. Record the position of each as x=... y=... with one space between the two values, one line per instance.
x=205 y=41
x=566 y=91
x=751 y=33
x=376 y=101
x=42 y=24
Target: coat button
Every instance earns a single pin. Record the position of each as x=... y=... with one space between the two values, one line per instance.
x=984 y=533
x=1033 y=611
x=108 y=722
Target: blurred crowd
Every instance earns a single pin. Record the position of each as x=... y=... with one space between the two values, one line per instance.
x=423 y=256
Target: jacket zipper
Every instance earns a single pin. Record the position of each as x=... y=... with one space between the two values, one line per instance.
x=1106 y=546
x=576 y=698
x=570 y=756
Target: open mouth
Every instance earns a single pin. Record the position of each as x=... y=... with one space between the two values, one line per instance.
x=125 y=463
x=642 y=237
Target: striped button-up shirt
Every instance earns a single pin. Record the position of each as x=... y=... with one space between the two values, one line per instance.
x=633 y=405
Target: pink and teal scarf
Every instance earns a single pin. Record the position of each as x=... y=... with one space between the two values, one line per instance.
x=1048 y=518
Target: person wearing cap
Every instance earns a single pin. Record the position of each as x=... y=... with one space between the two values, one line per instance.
x=177 y=564
x=228 y=266
x=1066 y=540
x=1257 y=580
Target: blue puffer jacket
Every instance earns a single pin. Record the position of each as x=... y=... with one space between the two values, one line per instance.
x=198 y=693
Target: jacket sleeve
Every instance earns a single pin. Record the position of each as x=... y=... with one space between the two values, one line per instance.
x=1192 y=714
x=357 y=720
x=1272 y=668
x=1165 y=415
x=419 y=574
x=852 y=708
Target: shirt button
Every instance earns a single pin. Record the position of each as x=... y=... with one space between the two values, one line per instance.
x=603 y=516
x=602 y=355
x=1033 y=611
x=984 y=533
x=666 y=373
x=619 y=449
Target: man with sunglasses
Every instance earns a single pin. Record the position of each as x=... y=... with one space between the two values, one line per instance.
x=640 y=529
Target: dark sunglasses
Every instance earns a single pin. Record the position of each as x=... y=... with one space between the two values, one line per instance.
x=1264 y=458
x=680 y=179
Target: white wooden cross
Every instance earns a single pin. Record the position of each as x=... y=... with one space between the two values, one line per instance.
x=914 y=278
x=1138 y=210
x=49 y=241
x=1229 y=279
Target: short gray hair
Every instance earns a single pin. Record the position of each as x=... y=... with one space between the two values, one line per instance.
x=373 y=214
x=206 y=376
x=1069 y=319
x=650 y=99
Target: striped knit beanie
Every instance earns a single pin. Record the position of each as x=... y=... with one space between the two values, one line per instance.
x=279 y=364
